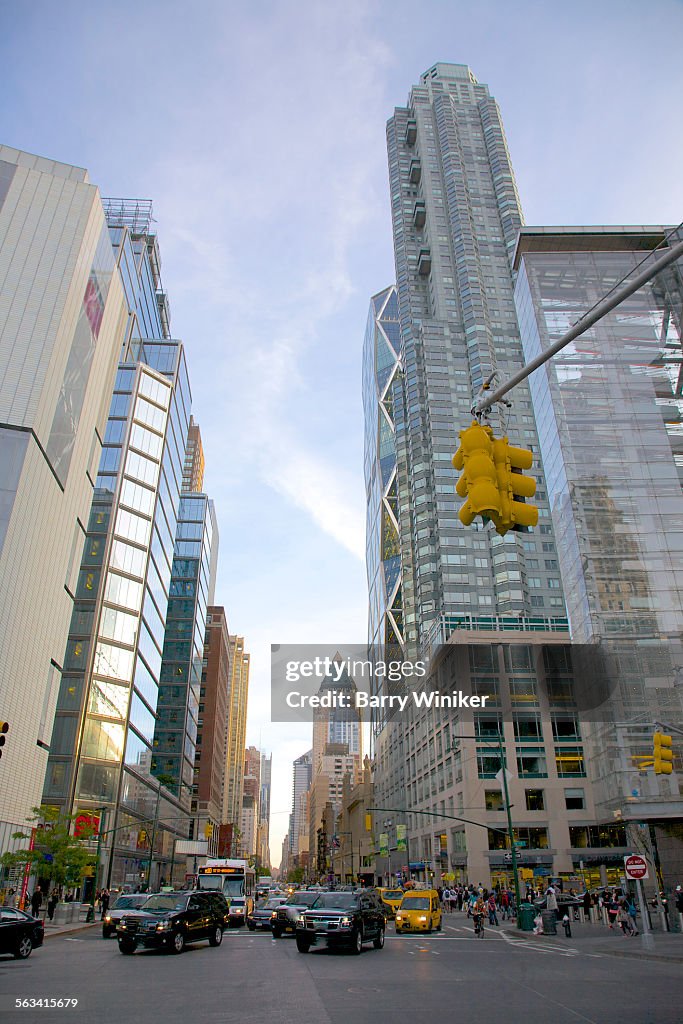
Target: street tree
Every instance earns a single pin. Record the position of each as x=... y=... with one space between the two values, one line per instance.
x=60 y=846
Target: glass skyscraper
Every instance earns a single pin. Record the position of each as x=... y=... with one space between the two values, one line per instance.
x=497 y=602
x=609 y=409
x=102 y=746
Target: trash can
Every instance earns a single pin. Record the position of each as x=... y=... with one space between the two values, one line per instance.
x=549 y=918
x=525 y=917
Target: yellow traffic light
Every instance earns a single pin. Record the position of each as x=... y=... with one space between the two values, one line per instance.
x=368 y=823
x=479 y=480
x=510 y=463
x=208 y=830
x=493 y=479
x=663 y=754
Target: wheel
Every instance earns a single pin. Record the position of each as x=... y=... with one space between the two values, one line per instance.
x=277 y=933
x=302 y=944
x=126 y=947
x=437 y=927
x=357 y=942
x=251 y=927
x=24 y=947
x=178 y=942
x=378 y=943
x=106 y=934
x=216 y=936
x=429 y=930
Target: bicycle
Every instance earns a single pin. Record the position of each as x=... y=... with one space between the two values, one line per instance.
x=478 y=926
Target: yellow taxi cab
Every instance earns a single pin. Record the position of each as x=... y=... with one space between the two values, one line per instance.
x=420 y=911
x=391 y=900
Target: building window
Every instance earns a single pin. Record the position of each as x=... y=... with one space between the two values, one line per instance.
x=531 y=765
x=569 y=761
x=574 y=799
x=534 y=799
x=493 y=799
x=597 y=836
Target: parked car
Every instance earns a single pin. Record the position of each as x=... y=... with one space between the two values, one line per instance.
x=287 y=912
x=20 y=933
x=262 y=916
x=171 y=920
x=342 y=920
x=131 y=901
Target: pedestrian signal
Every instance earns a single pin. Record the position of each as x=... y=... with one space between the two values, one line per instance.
x=4 y=729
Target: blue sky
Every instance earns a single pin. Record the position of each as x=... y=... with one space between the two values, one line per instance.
x=259 y=133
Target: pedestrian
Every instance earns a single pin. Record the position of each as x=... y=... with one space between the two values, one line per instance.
x=52 y=903
x=446 y=899
x=551 y=900
x=36 y=901
x=612 y=908
x=493 y=917
x=105 y=901
x=567 y=926
x=453 y=901
x=624 y=919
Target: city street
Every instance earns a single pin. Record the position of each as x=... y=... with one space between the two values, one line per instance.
x=255 y=978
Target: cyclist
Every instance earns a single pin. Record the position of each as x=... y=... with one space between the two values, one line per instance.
x=478 y=913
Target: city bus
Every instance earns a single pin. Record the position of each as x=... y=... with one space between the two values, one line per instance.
x=236 y=880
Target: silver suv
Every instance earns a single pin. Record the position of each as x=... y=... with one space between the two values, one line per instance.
x=289 y=913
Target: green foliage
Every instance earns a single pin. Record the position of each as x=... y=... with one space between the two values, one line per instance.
x=57 y=852
x=296 y=875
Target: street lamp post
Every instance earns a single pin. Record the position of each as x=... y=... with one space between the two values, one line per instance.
x=100 y=829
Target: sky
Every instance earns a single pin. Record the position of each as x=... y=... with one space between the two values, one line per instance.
x=259 y=133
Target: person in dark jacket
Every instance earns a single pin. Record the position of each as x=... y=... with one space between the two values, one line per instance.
x=36 y=901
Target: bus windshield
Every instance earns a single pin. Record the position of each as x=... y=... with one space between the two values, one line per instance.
x=229 y=885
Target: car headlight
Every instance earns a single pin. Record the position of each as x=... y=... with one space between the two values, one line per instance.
x=163 y=925
x=107 y=919
x=345 y=922
x=300 y=920
x=273 y=913
x=399 y=917
x=236 y=910
x=422 y=918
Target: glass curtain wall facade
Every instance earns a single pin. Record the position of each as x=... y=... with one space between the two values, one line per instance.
x=175 y=735
x=102 y=745
x=609 y=409
x=381 y=369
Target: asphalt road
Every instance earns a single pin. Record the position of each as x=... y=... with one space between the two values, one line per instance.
x=255 y=979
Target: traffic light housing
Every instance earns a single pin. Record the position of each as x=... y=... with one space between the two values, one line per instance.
x=493 y=479
x=512 y=484
x=4 y=729
x=208 y=830
x=479 y=481
x=663 y=754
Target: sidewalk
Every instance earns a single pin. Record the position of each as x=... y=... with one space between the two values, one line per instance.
x=598 y=938
x=52 y=928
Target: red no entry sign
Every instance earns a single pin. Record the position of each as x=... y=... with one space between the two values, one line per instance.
x=635 y=866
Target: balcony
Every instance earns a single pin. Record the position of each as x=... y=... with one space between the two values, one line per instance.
x=411 y=132
x=424 y=262
x=419 y=214
x=415 y=172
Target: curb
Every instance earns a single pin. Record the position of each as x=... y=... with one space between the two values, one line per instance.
x=68 y=931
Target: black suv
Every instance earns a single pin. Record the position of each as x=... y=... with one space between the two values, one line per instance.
x=170 y=920
x=342 y=919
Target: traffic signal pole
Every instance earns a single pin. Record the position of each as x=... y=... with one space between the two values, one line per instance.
x=487 y=399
